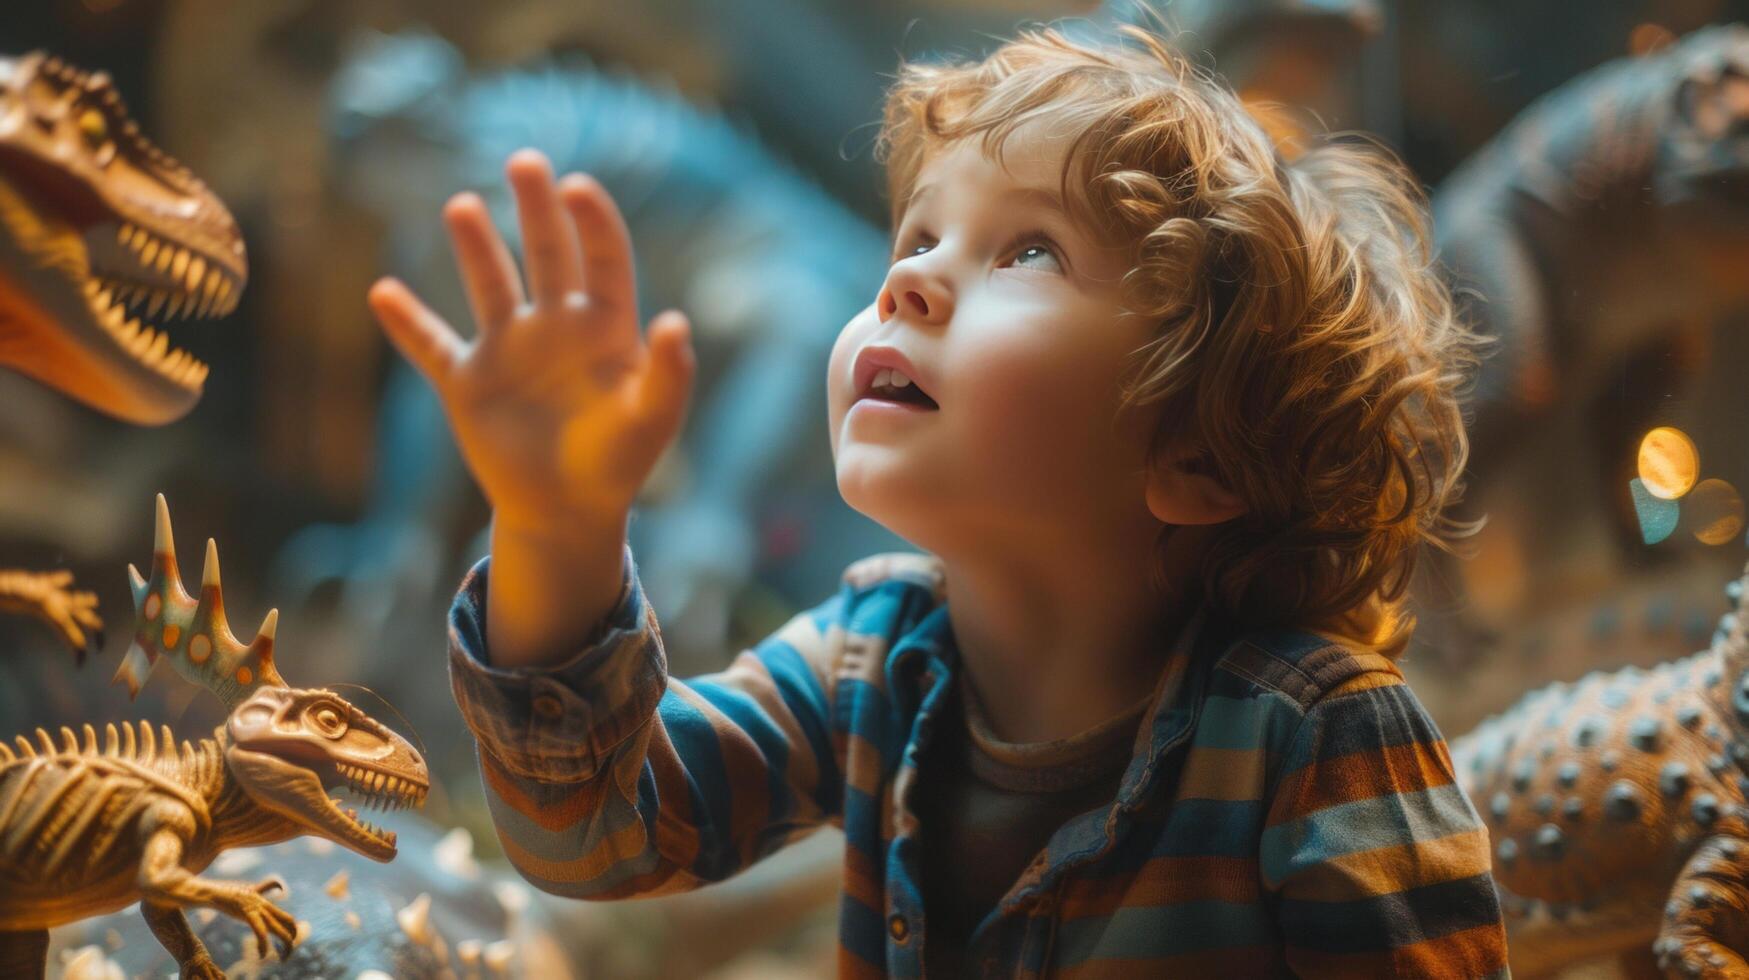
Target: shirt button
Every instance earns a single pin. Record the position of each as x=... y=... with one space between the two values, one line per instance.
x=548 y=707
x=900 y=930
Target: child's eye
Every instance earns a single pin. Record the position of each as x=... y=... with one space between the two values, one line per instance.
x=1038 y=252
x=916 y=246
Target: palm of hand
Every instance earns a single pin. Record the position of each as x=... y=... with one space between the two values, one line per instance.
x=559 y=407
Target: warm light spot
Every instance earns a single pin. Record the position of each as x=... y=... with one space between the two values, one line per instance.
x=1649 y=38
x=244 y=676
x=1715 y=512
x=152 y=606
x=199 y=649
x=1669 y=462
x=171 y=635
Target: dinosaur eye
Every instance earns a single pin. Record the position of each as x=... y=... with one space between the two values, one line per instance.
x=328 y=722
x=94 y=127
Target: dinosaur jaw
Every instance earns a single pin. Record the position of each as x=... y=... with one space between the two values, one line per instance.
x=74 y=300
x=300 y=794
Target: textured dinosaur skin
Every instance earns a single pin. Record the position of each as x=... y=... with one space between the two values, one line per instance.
x=97 y=225
x=86 y=830
x=1619 y=813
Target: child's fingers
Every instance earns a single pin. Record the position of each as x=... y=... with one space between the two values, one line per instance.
x=669 y=379
x=488 y=272
x=609 y=276
x=550 y=251
x=419 y=334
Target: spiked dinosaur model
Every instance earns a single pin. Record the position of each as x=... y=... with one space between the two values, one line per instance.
x=1618 y=808
x=96 y=226
x=87 y=829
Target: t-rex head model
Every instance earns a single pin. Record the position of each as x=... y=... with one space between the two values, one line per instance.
x=286 y=747
x=98 y=226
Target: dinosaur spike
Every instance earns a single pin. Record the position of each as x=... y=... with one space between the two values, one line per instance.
x=148 y=742
x=262 y=650
x=47 y=740
x=69 y=741
x=6 y=754
x=162 y=541
x=209 y=575
x=110 y=742
x=90 y=739
x=24 y=749
x=137 y=584
x=167 y=740
x=135 y=665
x=128 y=747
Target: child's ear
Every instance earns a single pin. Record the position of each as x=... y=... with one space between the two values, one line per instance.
x=1184 y=488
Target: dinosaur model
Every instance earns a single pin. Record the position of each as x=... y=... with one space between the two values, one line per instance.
x=1618 y=808
x=86 y=830
x=1597 y=241
x=97 y=227
x=1610 y=211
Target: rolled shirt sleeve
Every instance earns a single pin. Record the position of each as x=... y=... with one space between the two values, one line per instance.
x=558 y=723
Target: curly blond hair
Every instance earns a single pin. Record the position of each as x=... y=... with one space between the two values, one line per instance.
x=1305 y=338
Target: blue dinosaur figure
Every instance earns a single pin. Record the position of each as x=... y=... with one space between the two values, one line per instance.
x=768 y=265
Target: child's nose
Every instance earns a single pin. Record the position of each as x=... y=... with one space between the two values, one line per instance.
x=921 y=296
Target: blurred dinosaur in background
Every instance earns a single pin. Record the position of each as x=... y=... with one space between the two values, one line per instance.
x=770 y=262
x=1618 y=807
x=97 y=226
x=85 y=831
x=1597 y=241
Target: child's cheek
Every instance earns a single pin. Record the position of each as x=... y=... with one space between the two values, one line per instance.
x=838 y=368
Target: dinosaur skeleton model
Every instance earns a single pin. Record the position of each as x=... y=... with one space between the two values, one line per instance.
x=1619 y=812
x=86 y=830
x=97 y=226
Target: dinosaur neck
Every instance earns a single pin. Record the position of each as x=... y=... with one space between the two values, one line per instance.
x=238 y=821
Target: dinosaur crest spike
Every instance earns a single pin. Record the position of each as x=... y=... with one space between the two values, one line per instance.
x=194 y=636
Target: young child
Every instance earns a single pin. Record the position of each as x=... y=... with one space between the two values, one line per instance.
x=1171 y=418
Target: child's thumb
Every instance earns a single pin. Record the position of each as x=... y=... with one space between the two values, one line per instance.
x=672 y=364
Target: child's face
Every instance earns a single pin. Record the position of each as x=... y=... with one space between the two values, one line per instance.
x=1010 y=316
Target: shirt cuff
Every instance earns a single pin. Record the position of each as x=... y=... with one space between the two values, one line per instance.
x=558 y=723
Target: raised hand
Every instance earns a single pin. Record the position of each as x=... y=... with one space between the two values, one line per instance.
x=558 y=405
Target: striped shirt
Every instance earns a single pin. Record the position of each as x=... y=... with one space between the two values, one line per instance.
x=1290 y=808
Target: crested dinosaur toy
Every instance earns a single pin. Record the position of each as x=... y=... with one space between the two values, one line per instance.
x=86 y=829
x=99 y=227
x=1618 y=807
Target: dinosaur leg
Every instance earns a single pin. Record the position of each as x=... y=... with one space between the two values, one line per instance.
x=24 y=954
x=1707 y=917
x=172 y=929
x=163 y=881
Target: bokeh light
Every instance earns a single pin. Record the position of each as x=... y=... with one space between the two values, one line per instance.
x=1715 y=512
x=1669 y=462
x=1657 y=515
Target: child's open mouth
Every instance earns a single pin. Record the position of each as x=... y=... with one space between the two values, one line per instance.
x=885 y=375
x=893 y=386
